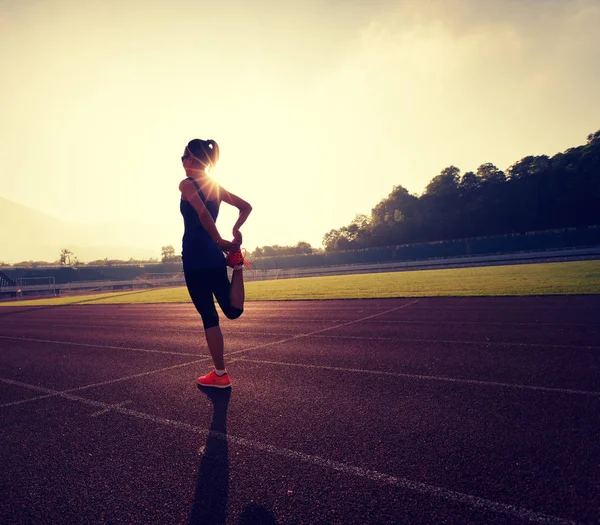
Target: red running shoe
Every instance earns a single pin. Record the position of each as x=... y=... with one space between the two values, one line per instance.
x=212 y=379
x=237 y=259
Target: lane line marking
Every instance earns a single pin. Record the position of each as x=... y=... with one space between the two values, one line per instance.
x=108 y=409
x=299 y=336
x=314 y=333
x=102 y=383
x=442 y=341
x=376 y=338
x=166 y=326
x=90 y=345
x=372 y=475
x=425 y=377
x=290 y=337
x=227 y=355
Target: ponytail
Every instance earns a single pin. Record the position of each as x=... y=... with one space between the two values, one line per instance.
x=213 y=152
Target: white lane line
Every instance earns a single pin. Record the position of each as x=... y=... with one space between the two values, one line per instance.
x=442 y=341
x=103 y=383
x=425 y=377
x=300 y=336
x=227 y=355
x=89 y=345
x=22 y=401
x=169 y=328
x=289 y=337
x=285 y=340
x=433 y=322
x=436 y=341
x=373 y=475
x=108 y=409
x=167 y=325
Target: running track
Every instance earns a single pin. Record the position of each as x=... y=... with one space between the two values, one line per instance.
x=445 y=410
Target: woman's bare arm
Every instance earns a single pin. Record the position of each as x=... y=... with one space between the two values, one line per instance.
x=241 y=205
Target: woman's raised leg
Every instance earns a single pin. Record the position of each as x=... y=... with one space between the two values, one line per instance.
x=237 y=292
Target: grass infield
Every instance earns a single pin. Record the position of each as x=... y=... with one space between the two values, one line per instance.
x=564 y=278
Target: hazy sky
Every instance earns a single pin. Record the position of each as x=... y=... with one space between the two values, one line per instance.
x=320 y=107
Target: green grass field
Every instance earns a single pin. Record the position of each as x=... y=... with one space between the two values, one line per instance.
x=566 y=278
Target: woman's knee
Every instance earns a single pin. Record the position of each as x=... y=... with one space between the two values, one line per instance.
x=210 y=319
x=233 y=313
x=210 y=322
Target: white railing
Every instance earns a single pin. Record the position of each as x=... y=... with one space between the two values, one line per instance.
x=450 y=262
x=95 y=285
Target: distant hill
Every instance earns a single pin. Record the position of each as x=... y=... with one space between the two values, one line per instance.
x=28 y=234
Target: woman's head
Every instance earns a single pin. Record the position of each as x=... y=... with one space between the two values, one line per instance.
x=201 y=154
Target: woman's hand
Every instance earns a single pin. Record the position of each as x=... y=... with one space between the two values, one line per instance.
x=227 y=246
x=237 y=236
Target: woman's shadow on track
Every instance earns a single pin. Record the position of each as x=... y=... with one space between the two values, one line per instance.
x=212 y=486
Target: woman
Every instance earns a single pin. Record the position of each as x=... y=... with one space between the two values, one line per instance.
x=204 y=263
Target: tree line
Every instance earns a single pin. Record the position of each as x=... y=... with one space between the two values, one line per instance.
x=535 y=193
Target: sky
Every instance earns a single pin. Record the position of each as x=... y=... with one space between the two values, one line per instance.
x=320 y=107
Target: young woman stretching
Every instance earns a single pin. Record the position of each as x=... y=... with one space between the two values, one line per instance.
x=204 y=263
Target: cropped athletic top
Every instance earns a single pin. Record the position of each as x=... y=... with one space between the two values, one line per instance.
x=199 y=251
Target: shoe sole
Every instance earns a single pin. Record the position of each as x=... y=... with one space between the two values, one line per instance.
x=214 y=386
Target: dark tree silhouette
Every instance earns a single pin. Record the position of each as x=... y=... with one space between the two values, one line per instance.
x=535 y=193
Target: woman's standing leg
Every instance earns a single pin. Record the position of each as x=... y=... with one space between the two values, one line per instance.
x=200 y=287
x=214 y=339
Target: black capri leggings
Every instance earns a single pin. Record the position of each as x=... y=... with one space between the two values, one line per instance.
x=202 y=284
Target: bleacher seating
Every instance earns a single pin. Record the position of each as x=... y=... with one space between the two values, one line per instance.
x=63 y=275
x=5 y=280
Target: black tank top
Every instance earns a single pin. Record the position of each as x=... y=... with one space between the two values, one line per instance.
x=199 y=251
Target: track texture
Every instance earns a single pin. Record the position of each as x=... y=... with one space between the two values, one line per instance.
x=437 y=410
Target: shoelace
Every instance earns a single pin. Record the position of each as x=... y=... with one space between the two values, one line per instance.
x=246 y=263
x=240 y=256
